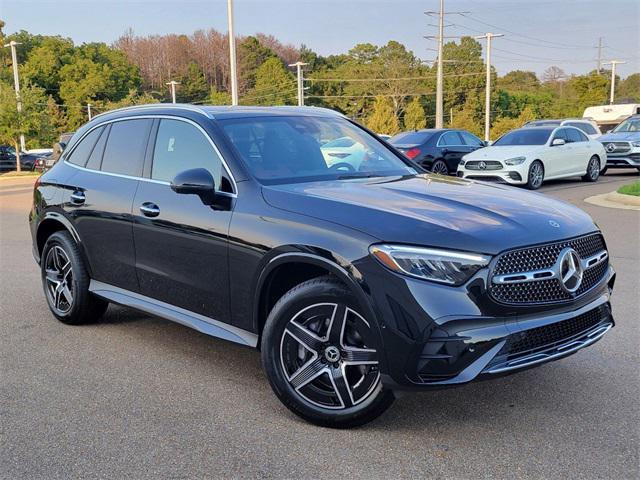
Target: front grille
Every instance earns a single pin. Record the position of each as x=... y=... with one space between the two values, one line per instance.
x=486 y=178
x=555 y=333
x=488 y=165
x=543 y=257
x=617 y=147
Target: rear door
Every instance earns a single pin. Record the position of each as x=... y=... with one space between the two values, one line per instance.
x=100 y=195
x=181 y=244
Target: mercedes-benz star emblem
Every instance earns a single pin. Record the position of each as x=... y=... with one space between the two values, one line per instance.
x=332 y=354
x=554 y=224
x=610 y=147
x=570 y=270
x=482 y=165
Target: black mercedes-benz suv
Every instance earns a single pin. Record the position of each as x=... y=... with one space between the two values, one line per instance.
x=354 y=279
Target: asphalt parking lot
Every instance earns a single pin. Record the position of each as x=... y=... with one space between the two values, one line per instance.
x=139 y=397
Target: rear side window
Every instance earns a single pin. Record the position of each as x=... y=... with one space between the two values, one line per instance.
x=575 y=135
x=450 y=138
x=585 y=127
x=81 y=153
x=125 y=148
x=181 y=146
x=95 y=159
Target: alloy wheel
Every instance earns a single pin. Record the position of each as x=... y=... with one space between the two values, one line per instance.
x=59 y=280
x=325 y=359
x=537 y=175
x=594 y=169
x=440 y=168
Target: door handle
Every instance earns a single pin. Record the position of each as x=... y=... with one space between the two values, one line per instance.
x=149 y=209
x=77 y=197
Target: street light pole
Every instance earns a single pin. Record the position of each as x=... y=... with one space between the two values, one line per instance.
x=232 y=55
x=16 y=83
x=439 y=75
x=89 y=111
x=299 y=66
x=487 y=96
x=173 y=84
x=613 y=64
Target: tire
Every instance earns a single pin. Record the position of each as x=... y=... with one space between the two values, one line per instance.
x=315 y=347
x=440 y=168
x=535 y=176
x=593 y=170
x=65 y=281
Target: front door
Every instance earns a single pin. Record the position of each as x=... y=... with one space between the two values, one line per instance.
x=453 y=149
x=181 y=244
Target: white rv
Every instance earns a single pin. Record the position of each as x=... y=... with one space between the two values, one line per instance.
x=608 y=116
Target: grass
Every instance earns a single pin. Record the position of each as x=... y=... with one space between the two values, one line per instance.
x=19 y=174
x=631 y=189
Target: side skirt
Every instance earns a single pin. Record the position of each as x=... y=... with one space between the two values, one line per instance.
x=198 y=322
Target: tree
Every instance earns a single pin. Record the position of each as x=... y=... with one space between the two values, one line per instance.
x=553 y=74
x=414 y=118
x=274 y=85
x=30 y=122
x=519 y=81
x=467 y=117
x=44 y=63
x=629 y=88
x=382 y=118
x=251 y=55
x=193 y=85
x=218 y=98
x=504 y=124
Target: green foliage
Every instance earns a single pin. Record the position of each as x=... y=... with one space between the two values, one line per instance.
x=193 y=86
x=251 y=55
x=519 y=81
x=382 y=119
x=504 y=124
x=274 y=85
x=629 y=88
x=630 y=189
x=414 y=118
x=467 y=118
x=218 y=98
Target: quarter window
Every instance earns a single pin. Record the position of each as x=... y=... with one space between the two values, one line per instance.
x=471 y=139
x=125 y=148
x=180 y=146
x=81 y=153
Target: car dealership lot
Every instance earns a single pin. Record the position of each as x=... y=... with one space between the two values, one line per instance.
x=135 y=396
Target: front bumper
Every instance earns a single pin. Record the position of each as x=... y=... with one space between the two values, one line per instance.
x=513 y=175
x=630 y=160
x=426 y=347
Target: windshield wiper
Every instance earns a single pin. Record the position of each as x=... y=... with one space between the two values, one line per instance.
x=356 y=175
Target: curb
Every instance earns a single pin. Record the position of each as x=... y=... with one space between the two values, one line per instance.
x=615 y=200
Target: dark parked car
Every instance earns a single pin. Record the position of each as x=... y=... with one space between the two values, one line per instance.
x=353 y=282
x=436 y=150
x=8 y=159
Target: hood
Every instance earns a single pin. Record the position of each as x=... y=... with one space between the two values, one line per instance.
x=502 y=153
x=619 y=137
x=435 y=211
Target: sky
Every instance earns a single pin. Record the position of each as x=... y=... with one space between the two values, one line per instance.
x=537 y=33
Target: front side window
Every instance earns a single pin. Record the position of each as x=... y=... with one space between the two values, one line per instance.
x=180 y=146
x=525 y=136
x=81 y=153
x=126 y=146
x=286 y=149
x=574 y=135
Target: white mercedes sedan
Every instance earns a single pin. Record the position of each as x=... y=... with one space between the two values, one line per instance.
x=529 y=156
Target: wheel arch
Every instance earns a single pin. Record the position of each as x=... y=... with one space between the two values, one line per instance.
x=55 y=222
x=276 y=279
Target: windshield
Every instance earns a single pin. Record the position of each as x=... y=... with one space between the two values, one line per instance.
x=410 y=138
x=526 y=136
x=285 y=149
x=629 y=125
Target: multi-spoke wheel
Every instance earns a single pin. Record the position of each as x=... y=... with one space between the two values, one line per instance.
x=593 y=170
x=320 y=355
x=59 y=280
x=66 y=282
x=440 y=168
x=536 y=175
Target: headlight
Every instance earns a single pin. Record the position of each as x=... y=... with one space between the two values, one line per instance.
x=515 y=160
x=461 y=163
x=635 y=144
x=442 y=266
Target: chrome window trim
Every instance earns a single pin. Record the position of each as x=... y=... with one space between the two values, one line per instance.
x=150 y=180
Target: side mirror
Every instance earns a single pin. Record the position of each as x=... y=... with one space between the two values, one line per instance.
x=557 y=141
x=197 y=181
x=62 y=146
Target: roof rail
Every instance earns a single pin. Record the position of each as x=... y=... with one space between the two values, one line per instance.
x=152 y=106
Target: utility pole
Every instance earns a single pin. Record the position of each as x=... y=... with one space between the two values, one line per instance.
x=299 y=66
x=599 y=55
x=613 y=64
x=487 y=96
x=16 y=83
x=440 y=73
x=232 y=55
x=173 y=84
x=89 y=111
